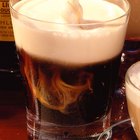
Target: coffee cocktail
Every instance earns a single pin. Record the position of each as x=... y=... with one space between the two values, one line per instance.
x=69 y=52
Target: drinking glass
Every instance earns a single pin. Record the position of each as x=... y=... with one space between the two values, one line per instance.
x=69 y=71
x=132 y=83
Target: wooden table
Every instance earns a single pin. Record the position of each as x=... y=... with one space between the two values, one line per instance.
x=12 y=115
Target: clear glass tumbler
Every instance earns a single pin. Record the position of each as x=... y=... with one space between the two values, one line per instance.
x=69 y=69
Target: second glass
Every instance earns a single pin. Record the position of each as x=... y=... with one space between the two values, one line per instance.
x=69 y=59
x=132 y=83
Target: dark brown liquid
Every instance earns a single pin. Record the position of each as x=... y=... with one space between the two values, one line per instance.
x=68 y=95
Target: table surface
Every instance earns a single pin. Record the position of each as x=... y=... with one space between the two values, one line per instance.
x=13 y=116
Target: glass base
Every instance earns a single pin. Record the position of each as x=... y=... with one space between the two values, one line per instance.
x=40 y=130
x=53 y=137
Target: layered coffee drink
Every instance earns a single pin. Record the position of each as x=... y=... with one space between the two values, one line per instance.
x=69 y=59
x=133 y=95
x=69 y=94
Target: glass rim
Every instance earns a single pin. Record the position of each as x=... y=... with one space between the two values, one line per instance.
x=127 y=77
x=126 y=13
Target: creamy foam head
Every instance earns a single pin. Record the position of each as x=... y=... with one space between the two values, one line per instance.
x=69 y=44
x=133 y=84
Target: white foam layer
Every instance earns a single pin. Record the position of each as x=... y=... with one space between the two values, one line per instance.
x=133 y=93
x=67 y=43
